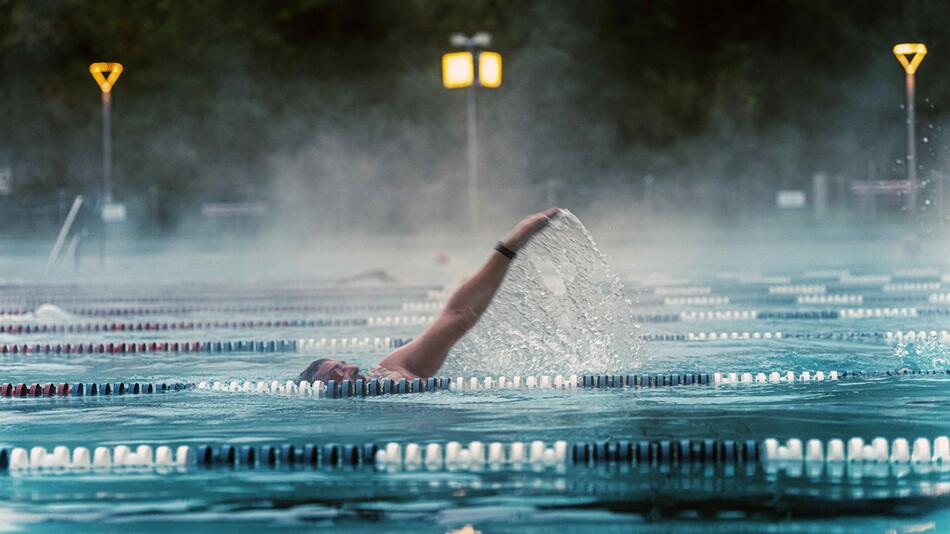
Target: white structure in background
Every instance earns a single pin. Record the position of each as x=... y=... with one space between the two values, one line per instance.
x=790 y=199
x=114 y=212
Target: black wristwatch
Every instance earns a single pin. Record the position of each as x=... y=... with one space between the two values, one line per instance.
x=505 y=251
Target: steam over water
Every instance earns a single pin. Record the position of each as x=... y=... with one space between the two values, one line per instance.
x=560 y=310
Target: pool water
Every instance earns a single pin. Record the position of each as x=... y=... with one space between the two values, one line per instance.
x=567 y=497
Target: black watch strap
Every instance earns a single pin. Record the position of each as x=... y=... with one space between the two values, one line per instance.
x=505 y=251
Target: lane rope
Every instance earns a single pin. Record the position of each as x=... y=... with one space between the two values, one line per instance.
x=176 y=310
x=376 y=387
x=891 y=337
x=179 y=293
x=373 y=387
x=924 y=456
x=271 y=345
x=382 y=320
x=282 y=345
x=820 y=315
x=90 y=389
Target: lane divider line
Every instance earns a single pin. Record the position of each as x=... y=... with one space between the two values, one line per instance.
x=383 y=320
x=896 y=336
x=90 y=389
x=680 y=291
x=352 y=343
x=695 y=301
x=795 y=315
x=282 y=345
x=830 y=299
x=272 y=345
x=797 y=289
x=177 y=310
x=865 y=285
x=107 y=295
x=373 y=387
x=910 y=286
x=377 y=387
x=924 y=456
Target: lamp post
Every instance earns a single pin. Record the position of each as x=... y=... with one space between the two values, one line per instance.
x=106 y=74
x=910 y=55
x=470 y=69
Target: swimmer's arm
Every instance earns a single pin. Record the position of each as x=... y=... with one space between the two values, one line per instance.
x=425 y=355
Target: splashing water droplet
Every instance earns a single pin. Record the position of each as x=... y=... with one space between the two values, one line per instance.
x=925 y=354
x=560 y=310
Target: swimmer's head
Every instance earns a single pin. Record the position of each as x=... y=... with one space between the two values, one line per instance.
x=326 y=369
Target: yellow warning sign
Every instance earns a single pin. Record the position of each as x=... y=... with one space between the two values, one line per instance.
x=910 y=55
x=105 y=74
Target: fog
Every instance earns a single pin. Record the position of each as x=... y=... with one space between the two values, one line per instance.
x=331 y=160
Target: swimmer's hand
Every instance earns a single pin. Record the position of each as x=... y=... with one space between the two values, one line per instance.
x=530 y=225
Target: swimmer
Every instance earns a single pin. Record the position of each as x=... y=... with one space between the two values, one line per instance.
x=423 y=356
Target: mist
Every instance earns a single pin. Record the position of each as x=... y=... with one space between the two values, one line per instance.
x=667 y=127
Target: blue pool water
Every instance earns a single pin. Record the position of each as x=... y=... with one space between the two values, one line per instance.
x=566 y=497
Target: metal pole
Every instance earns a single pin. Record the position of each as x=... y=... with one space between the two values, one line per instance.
x=107 y=147
x=473 y=215
x=938 y=177
x=911 y=147
x=64 y=231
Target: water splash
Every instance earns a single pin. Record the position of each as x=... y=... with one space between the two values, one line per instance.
x=560 y=309
x=924 y=354
x=45 y=312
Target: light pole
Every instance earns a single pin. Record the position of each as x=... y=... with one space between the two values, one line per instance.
x=910 y=55
x=471 y=69
x=99 y=72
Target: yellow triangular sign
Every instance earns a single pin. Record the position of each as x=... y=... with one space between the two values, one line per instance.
x=98 y=70
x=910 y=55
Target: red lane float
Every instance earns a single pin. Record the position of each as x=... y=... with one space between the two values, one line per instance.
x=90 y=389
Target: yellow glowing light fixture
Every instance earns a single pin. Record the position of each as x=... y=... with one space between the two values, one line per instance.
x=917 y=50
x=113 y=70
x=458 y=70
x=489 y=69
